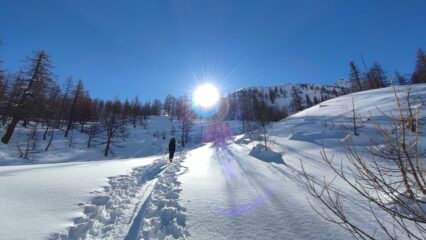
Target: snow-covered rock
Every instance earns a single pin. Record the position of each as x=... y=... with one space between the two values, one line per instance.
x=264 y=154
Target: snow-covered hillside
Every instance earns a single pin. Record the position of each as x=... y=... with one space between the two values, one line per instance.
x=235 y=190
x=281 y=95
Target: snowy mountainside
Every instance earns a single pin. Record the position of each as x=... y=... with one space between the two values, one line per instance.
x=345 y=83
x=329 y=124
x=334 y=116
x=281 y=97
x=328 y=127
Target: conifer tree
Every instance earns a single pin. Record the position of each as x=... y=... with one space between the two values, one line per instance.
x=400 y=78
x=72 y=114
x=297 y=100
x=31 y=98
x=355 y=78
x=419 y=74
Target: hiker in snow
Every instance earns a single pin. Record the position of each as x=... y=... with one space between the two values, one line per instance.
x=172 y=148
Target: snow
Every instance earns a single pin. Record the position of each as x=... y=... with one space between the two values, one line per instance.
x=40 y=199
x=141 y=142
x=230 y=195
x=163 y=215
x=260 y=152
x=284 y=97
x=71 y=193
x=242 y=191
x=110 y=214
x=238 y=189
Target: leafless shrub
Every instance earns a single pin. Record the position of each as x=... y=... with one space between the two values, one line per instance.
x=390 y=176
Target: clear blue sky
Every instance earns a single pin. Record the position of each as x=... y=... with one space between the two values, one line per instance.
x=154 y=47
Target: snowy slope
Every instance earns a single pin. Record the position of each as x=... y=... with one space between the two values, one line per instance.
x=230 y=195
x=230 y=191
x=329 y=122
x=281 y=94
x=233 y=192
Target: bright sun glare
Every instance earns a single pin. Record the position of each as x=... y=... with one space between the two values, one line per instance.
x=206 y=95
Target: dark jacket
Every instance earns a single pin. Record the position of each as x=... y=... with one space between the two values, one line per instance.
x=172 y=144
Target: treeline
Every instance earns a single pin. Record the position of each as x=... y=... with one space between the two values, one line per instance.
x=256 y=107
x=33 y=97
x=264 y=105
x=375 y=77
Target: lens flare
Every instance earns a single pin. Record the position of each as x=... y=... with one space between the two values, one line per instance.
x=218 y=133
x=205 y=100
x=206 y=96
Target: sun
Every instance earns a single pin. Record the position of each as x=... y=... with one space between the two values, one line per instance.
x=206 y=95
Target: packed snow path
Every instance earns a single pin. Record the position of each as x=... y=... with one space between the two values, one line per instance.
x=142 y=204
x=161 y=215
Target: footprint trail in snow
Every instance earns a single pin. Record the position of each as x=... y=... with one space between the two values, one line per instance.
x=142 y=204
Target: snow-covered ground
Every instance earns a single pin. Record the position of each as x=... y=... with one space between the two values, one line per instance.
x=231 y=195
x=69 y=192
x=236 y=190
x=145 y=140
x=37 y=200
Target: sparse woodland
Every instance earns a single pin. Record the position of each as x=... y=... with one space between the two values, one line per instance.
x=34 y=98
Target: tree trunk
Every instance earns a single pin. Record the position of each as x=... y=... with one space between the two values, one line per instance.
x=71 y=138
x=108 y=143
x=47 y=130
x=50 y=140
x=264 y=137
x=74 y=102
x=68 y=128
x=6 y=137
x=91 y=135
x=354 y=118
